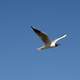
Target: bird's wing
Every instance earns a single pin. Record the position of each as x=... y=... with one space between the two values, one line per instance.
x=60 y=38
x=42 y=35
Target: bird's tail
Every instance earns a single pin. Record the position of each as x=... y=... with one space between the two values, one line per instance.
x=41 y=48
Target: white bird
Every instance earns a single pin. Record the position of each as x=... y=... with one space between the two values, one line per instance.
x=47 y=42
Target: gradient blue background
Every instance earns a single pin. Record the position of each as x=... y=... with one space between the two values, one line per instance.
x=19 y=59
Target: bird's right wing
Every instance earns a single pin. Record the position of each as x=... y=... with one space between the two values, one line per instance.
x=60 y=38
x=42 y=35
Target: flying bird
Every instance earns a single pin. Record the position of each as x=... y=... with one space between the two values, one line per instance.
x=47 y=42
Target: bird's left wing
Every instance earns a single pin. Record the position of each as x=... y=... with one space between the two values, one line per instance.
x=42 y=35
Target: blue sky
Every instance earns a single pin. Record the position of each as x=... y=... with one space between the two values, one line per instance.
x=19 y=59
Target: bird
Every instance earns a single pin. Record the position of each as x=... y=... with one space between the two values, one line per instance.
x=46 y=40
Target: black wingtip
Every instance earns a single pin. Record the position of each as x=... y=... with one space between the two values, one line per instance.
x=33 y=28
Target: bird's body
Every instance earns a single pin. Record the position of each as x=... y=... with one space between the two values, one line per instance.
x=47 y=42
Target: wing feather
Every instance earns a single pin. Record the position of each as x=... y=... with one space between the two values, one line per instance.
x=42 y=35
x=60 y=38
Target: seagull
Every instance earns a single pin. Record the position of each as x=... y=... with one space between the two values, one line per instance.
x=47 y=42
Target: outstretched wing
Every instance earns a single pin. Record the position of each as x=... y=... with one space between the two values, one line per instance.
x=60 y=38
x=42 y=35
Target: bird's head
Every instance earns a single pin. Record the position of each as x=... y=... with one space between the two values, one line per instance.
x=56 y=45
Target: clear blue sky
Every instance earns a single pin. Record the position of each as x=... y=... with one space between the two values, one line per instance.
x=19 y=59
